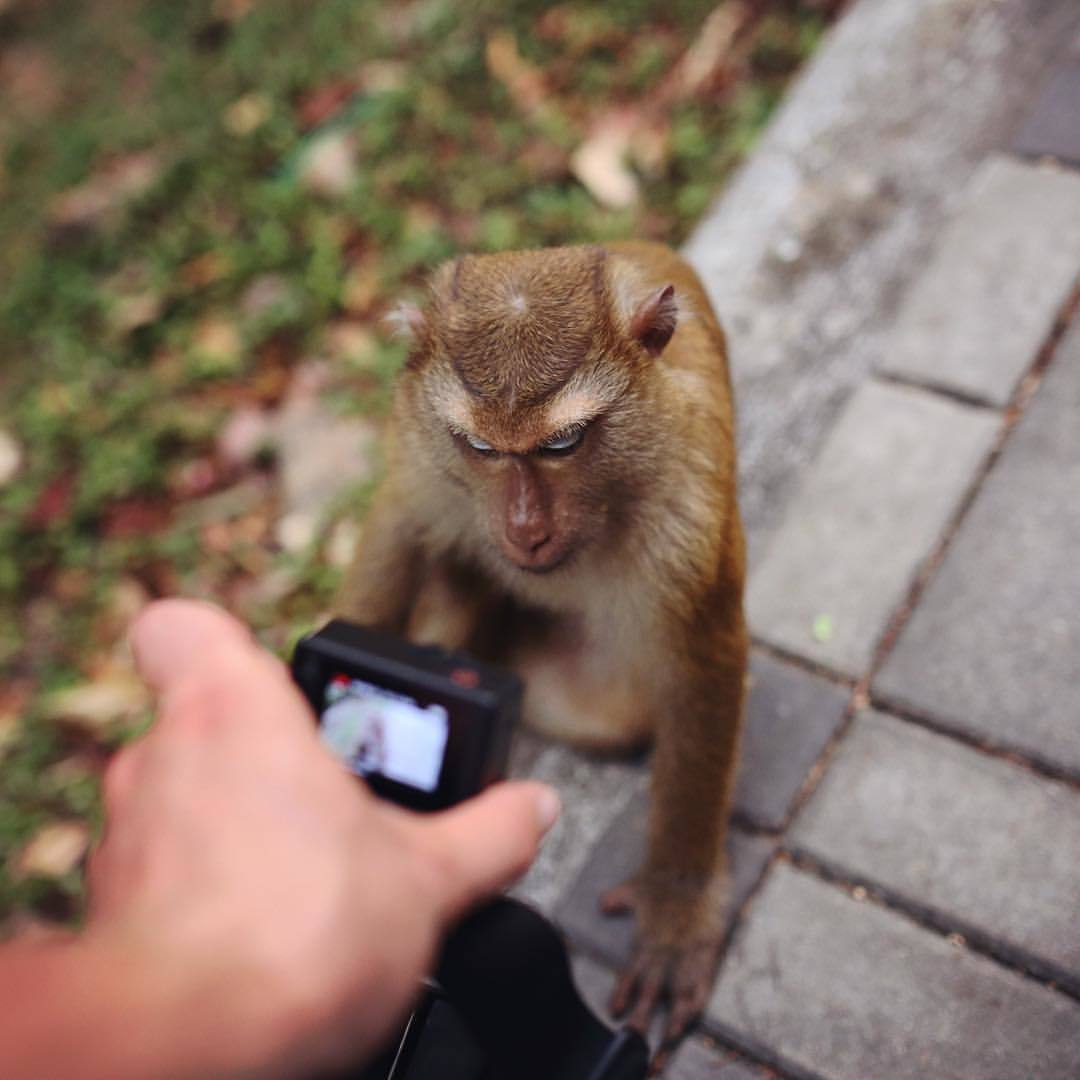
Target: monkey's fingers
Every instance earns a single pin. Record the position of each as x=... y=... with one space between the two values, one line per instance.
x=625 y=992
x=659 y=1062
x=650 y=988
x=621 y=900
x=693 y=978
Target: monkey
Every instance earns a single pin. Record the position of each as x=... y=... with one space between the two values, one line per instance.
x=559 y=495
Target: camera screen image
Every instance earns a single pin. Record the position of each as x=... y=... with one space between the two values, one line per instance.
x=373 y=730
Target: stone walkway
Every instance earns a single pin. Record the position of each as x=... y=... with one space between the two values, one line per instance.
x=899 y=266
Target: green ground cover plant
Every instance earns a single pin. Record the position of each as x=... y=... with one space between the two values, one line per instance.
x=198 y=199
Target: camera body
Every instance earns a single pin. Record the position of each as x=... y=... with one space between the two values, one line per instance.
x=424 y=727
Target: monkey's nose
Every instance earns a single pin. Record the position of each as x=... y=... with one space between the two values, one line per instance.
x=528 y=542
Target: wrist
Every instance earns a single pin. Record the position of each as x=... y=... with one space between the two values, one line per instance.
x=96 y=1006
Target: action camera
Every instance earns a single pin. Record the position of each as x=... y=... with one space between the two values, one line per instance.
x=424 y=727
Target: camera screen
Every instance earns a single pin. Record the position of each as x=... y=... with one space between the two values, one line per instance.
x=377 y=731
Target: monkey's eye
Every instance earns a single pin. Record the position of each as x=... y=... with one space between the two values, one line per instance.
x=479 y=445
x=566 y=443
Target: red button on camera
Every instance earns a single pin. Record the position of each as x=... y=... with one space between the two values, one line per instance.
x=465 y=677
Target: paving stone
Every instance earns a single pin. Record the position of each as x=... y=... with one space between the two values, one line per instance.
x=615 y=857
x=816 y=238
x=1053 y=125
x=833 y=987
x=976 y=317
x=892 y=472
x=790 y=717
x=697 y=1060
x=993 y=648
x=594 y=791
x=984 y=846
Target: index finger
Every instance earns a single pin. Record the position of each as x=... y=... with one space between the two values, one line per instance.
x=191 y=649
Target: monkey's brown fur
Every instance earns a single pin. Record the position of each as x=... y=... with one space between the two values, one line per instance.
x=611 y=576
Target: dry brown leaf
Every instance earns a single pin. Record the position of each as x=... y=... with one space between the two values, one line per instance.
x=216 y=336
x=10 y=458
x=99 y=706
x=600 y=162
x=246 y=114
x=524 y=82
x=714 y=48
x=328 y=164
x=350 y=342
x=54 y=850
x=243 y=436
x=382 y=76
x=97 y=199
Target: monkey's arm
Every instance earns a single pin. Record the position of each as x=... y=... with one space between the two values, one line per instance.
x=381 y=584
x=680 y=895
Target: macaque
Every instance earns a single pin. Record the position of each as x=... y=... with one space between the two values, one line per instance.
x=560 y=497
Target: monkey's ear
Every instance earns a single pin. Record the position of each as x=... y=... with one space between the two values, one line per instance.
x=408 y=321
x=655 y=319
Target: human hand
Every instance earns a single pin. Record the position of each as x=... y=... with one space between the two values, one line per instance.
x=288 y=912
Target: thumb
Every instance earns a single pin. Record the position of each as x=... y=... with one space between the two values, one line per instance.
x=489 y=841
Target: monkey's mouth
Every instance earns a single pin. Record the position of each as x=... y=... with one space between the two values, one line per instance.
x=540 y=564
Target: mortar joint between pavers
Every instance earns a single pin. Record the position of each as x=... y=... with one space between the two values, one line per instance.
x=1019 y=402
x=1022 y=759
x=929 y=386
x=958 y=932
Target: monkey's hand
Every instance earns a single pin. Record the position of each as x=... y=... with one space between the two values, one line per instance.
x=676 y=953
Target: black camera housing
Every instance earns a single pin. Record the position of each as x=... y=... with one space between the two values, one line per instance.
x=481 y=703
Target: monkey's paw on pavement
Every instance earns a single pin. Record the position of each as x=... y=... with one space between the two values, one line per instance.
x=680 y=974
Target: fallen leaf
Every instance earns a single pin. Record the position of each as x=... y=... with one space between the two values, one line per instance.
x=267 y=293
x=53 y=851
x=362 y=286
x=99 y=198
x=53 y=503
x=29 y=81
x=131 y=312
x=204 y=269
x=134 y=517
x=10 y=458
x=523 y=81
x=714 y=49
x=217 y=340
x=324 y=102
x=99 y=706
x=350 y=342
x=246 y=114
x=243 y=437
x=328 y=165
x=383 y=76
x=822 y=629
x=193 y=479
x=600 y=162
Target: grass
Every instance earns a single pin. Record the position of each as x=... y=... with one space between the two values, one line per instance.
x=164 y=261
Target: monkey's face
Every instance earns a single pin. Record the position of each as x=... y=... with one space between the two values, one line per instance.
x=525 y=388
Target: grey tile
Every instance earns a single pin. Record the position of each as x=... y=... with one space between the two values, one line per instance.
x=985 y=845
x=615 y=857
x=976 y=316
x=1053 y=125
x=994 y=645
x=593 y=789
x=873 y=505
x=790 y=717
x=850 y=990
